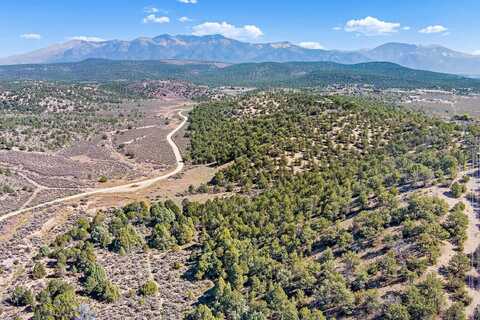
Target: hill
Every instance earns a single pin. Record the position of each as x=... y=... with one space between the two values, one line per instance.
x=304 y=74
x=289 y=74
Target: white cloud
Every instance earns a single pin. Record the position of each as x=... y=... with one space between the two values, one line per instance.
x=188 y=1
x=228 y=30
x=337 y=28
x=150 y=10
x=433 y=29
x=31 y=36
x=87 y=38
x=151 y=18
x=476 y=52
x=406 y=28
x=371 y=26
x=184 y=19
x=310 y=45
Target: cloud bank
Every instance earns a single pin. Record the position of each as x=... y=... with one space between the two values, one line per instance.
x=31 y=36
x=311 y=45
x=433 y=29
x=87 y=38
x=371 y=26
x=184 y=19
x=152 y=18
x=247 y=32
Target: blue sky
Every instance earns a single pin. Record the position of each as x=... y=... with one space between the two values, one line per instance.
x=333 y=24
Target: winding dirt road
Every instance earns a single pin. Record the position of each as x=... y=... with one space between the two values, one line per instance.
x=130 y=187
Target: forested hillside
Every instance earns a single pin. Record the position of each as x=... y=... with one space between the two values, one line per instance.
x=312 y=74
x=269 y=74
x=329 y=224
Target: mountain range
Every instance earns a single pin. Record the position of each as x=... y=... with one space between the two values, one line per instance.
x=222 y=49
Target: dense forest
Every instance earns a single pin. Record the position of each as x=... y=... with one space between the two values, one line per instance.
x=329 y=222
x=268 y=74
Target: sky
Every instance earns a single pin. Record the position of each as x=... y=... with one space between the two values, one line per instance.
x=27 y=25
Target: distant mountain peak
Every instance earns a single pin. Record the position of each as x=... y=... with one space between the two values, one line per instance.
x=396 y=46
x=214 y=36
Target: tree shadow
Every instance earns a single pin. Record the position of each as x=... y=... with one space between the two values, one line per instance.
x=449 y=194
x=189 y=274
x=375 y=254
x=473 y=282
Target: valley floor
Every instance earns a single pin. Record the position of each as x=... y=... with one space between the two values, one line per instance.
x=103 y=163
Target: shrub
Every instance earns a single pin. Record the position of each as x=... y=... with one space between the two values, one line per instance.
x=203 y=188
x=38 y=271
x=111 y=292
x=201 y=312
x=455 y=312
x=150 y=288
x=458 y=189
x=57 y=301
x=127 y=238
x=396 y=311
x=22 y=296
x=459 y=265
x=7 y=189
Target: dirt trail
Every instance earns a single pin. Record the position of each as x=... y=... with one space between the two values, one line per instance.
x=472 y=242
x=126 y=188
x=473 y=231
x=472 y=211
x=38 y=189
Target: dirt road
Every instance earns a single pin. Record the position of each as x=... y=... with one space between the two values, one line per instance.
x=130 y=187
